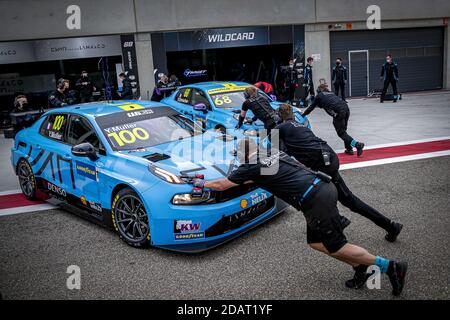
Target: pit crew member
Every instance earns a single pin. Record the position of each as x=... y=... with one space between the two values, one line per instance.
x=301 y=143
x=338 y=109
x=260 y=107
x=310 y=192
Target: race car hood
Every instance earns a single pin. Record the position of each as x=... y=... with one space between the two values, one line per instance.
x=209 y=154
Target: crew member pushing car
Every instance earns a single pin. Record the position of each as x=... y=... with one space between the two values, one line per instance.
x=338 y=109
x=310 y=192
x=300 y=142
x=260 y=107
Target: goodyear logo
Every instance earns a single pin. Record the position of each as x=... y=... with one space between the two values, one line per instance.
x=190 y=236
x=86 y=170
x=227 y=87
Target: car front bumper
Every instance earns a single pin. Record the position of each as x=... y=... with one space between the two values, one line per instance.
x=198 y=228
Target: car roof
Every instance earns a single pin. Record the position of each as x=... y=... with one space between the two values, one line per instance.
x=102 y=108
x=217 y=85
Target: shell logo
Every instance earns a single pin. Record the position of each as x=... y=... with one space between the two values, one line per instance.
x=243 y=203
x=83 y=200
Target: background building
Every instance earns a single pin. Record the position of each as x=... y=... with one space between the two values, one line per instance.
x=219 y=40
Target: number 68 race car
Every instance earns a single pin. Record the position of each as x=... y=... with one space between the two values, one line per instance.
x=216 y=105
x=127 y=165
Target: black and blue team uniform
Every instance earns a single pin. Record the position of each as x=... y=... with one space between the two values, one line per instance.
x=309 y=79
x=301 y=143
x=338 y=109
x=338 y=78
x=262 y=111
x=389 y=73
x=303 y=189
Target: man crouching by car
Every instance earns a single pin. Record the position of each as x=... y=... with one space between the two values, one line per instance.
x=312 y=193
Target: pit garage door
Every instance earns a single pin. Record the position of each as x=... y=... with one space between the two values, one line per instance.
x=418 y=53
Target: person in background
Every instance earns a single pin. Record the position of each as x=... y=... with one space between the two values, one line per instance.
x=85 y=88
x=57 y=98
x=174 y=82
x=309 y=77
x=162 y=86
x=127 y=91
x=389 y=74
x=21 y=104
x=339 y=78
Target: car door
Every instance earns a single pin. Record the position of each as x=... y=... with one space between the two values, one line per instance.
x=182 y=102
x=200 y=117
x=48 y=155
x=87 y=188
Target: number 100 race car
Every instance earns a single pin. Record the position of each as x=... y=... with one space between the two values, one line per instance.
x=127 y=165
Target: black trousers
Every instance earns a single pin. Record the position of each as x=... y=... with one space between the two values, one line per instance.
x=387 y=82
x=339 y=85
x=340 y=123
x=349 y=200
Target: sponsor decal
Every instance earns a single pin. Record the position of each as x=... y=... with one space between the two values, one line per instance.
x=190 y=236
x=243 y=203
x=95 y=206
x=188 y=73
x=86 y=170
x=183 y=226
x=227 y=87
x=139 y=113
x=186 y=229
x=83 y=200
x=56 y=190
x=258 y=197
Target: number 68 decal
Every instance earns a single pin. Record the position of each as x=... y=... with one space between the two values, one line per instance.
x=219 y=101
x=124 y=137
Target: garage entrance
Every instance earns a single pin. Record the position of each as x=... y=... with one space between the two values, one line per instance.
x=417 y=51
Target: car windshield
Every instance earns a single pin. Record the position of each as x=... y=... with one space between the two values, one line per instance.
x=123 y=134
x=231 y=100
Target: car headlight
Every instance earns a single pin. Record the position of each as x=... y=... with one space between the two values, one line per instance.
x=164 y=174
x=250 y=133
x=187 y=199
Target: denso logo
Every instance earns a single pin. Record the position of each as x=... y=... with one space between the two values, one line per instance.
x=56 y=189
x=186 y=226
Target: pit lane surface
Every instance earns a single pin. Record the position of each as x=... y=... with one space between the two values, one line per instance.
x=270 y=262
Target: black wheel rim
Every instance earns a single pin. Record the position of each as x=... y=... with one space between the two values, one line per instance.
x=26 y=179
x=132 y=219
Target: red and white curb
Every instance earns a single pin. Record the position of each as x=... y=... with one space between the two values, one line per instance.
x=14 y=202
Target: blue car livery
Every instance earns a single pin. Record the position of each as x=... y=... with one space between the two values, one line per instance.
x=223 y=101
x=127 y=165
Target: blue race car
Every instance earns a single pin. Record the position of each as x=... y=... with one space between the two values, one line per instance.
x=128 y=165
x=216 y=105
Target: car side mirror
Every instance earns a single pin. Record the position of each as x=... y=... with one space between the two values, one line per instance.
x=201 y=107
x=85 y=149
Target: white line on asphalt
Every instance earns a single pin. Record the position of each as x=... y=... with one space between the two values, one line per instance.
x=377 y=162
x=32 y=208
x=7 y=192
